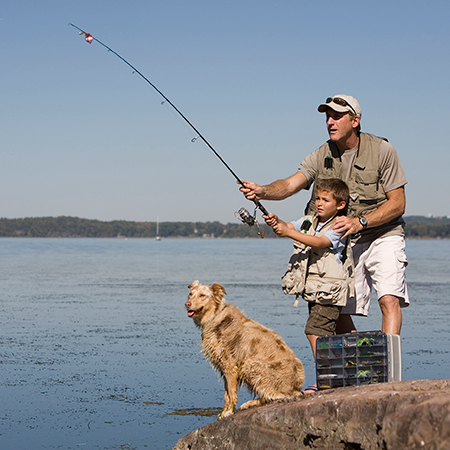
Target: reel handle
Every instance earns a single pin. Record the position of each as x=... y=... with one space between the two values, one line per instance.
x=265 y=213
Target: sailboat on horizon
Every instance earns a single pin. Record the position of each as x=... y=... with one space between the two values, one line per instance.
x=158 y=237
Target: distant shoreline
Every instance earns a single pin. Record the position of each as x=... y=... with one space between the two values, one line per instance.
x=417 y=227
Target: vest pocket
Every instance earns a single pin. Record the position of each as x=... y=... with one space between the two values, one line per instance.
x=326 y=293
x=366 y=176
x=293 y=281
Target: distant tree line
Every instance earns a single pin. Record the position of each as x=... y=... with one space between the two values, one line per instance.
x=416 y=227
x=74 y=227
x=427 y=227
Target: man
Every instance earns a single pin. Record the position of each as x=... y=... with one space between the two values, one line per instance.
x=371 y=168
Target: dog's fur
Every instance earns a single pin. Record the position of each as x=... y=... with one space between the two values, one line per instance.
x=242 y=350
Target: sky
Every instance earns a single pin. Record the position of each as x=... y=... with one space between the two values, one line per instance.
x=83 y=136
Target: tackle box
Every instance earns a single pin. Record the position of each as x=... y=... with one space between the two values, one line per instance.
x=358 y=358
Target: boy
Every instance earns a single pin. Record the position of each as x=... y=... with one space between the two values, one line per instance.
x=321 y=266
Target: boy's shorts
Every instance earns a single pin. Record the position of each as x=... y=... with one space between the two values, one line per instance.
x=322 y=319
x=380 y=264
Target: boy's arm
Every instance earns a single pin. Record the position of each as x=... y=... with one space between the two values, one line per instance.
x=284 y=229
x=307 y=239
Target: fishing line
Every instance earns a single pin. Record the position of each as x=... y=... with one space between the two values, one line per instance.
x=244 y=215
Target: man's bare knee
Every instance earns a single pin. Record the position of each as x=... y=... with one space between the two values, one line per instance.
x=389 y=303
x=392 y=314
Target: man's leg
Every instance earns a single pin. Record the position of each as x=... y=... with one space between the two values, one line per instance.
x=387 y=263
x=359 y=303
x=391 y=313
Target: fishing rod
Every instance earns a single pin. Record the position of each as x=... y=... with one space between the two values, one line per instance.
x=242 y=214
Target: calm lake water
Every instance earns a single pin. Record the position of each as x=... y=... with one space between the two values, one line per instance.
x=97 y=352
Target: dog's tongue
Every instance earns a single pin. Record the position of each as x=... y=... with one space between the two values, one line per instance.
x=190 y=313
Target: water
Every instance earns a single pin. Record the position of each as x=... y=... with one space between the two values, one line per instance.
x=96 y=350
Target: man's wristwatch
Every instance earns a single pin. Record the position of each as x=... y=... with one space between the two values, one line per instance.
x=363 y=222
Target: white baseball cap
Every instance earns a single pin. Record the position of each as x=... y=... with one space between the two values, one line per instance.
x=341 y=103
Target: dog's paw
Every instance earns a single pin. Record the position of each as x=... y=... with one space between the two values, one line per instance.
x=225 y=413
x=251 y=404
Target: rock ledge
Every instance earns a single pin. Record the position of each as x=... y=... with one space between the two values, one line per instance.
x=387 y=416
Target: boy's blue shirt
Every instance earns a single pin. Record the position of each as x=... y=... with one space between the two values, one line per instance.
x=337 y=245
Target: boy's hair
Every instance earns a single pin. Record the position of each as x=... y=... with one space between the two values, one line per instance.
x=337 y=187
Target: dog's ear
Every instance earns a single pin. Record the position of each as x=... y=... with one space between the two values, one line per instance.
x=218 y=289
x=193 y=284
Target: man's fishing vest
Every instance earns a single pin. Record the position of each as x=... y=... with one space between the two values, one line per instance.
x=365 y=185
x=316 y=275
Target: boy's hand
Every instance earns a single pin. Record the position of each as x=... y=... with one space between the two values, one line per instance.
x=271 y=219
x=279 y=226
x=281 y=229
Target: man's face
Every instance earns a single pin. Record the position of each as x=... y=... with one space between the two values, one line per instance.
x=340 y=126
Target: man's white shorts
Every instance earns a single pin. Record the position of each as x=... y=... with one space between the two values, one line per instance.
x=379 y=264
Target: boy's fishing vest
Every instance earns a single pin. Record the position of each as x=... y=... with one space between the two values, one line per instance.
x=365 y=186
x=316 y=275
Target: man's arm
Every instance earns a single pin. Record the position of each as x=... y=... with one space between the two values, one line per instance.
x=277 y=190
x=392 y=208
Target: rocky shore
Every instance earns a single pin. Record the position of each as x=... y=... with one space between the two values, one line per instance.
x=387 y=416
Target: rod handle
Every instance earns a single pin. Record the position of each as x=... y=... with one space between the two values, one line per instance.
x=261 y=207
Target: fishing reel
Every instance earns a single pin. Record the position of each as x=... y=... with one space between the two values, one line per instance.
x=245 y=217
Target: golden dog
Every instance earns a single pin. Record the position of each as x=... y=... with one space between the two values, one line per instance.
x=242 y=350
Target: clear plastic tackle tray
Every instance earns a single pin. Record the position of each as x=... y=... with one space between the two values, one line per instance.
x=358 y=358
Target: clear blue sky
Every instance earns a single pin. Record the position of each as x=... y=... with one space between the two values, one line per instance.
x=82 y=136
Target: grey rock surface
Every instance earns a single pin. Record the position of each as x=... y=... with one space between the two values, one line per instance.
x=388 y=416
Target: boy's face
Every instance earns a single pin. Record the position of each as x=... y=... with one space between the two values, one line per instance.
x=326 y=205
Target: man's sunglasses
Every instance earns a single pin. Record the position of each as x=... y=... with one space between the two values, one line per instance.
x=341 y=102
